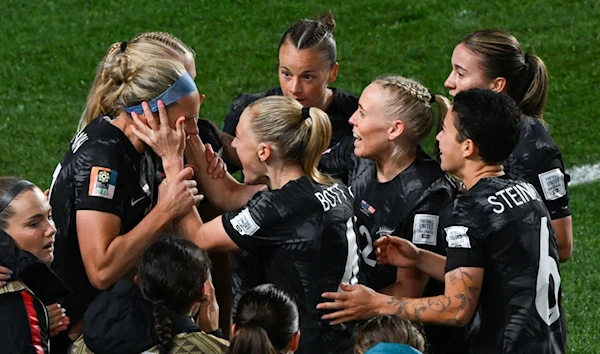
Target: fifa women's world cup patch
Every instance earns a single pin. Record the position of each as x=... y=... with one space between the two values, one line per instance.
x=102 y=182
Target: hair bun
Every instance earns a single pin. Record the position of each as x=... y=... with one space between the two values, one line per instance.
x=327 y=20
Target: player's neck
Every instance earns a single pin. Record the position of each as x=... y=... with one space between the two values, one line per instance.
x=281 y=174
x=391 y=167
x=475 y=174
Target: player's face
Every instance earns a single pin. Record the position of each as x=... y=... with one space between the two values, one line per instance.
x=370 y=124
x=450 y=148
x=246 y=147
x=466 y=72
x=304 y=75
x=187 y=107
x=32 y=227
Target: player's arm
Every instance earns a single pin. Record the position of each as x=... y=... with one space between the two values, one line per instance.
x=209 y=236
x=402 y=253
x=455 y=308
x=564 y=237
x=410 y=282
x=107 y=255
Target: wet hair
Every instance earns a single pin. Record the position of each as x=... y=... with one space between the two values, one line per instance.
x=171 y=275
x=490 y=119
x=317 y=34
x=299 y=134
x=390 y=329
x=130 y=73
x=6 y=184
x=411 y=102
x=266 y=320
x=501 y=55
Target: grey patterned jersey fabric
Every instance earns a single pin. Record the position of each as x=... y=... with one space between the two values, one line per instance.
x=501 y=225
x=538 y=160
x=299 y=238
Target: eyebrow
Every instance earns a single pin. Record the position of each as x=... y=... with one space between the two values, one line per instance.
x=456 y=66
x=302 y=72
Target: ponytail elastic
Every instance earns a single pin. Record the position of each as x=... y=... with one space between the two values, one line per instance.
x=305 y=112
x=13 y=193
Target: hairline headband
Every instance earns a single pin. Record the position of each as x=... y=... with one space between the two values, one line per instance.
x=181 y=88
x=13 y=193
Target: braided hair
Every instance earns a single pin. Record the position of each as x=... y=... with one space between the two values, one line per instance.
x=317 y=34
x=171 y=275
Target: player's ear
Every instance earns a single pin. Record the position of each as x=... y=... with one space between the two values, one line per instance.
x=264 y=152
x=498 y=84
x=396 y=129
x=469 y=149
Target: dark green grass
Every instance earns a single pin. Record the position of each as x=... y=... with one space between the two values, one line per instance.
x=49 y=50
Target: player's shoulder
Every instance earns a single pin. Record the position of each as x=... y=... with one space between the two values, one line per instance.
x=344 y=103
x=244 y=99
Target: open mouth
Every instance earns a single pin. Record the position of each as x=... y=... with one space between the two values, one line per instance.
x=49 y=246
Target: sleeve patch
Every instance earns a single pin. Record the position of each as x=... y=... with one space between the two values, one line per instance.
x=244 y=224
x=425 y=229
x=102 y=182
x=457 y=237
x=553 y=184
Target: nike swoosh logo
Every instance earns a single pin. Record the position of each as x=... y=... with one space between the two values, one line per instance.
x=134 y=202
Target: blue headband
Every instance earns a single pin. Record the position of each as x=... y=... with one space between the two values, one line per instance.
x=181 y=88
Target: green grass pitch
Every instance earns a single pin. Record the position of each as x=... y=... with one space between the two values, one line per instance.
x=49 y=50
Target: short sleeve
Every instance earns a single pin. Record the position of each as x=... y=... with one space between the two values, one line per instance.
x=465 y=237
x=551 y=183
x=98 y=180
x=265 y=221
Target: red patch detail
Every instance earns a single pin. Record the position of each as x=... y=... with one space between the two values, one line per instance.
x=34 y=323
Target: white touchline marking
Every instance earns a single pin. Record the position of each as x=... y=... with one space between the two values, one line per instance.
x=584 y=174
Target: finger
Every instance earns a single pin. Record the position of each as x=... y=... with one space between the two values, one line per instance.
x=141 y=126
x=162 y=114
x=223 y=171
x=335 y=315
x=346 y=287
x=333 y=305
x=343 y=320
x=335 y=296
x=198 y=198
x=150 y=116
x=190 y=183
x=179 y=130
x=185 y=174
x=193 y=191
x=142 y=136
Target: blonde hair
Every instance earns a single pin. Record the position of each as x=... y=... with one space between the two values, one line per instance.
x=390 y=329
x=140 y=70
x=411 y=102
x=280 y=121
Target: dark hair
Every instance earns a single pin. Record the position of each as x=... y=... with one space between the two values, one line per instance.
x=6 y=183
x=305 y=34
x=490 y=119
x=266 y=320
x=502 y=56
x=390 y=329
x=171 y=275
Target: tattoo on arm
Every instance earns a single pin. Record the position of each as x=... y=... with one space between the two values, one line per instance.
x=443 y=309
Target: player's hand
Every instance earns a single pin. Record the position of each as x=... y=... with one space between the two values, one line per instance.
x=208 y=317
x=194 y=152
x=216 y=166
x=168 y=143
x=396 y=251
x=177 y=196
x=58 y=319
x=356 y=302
x=5 y=275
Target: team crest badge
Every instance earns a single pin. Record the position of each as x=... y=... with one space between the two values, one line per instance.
x=102 y=182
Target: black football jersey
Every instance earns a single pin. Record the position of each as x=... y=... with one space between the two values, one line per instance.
x=408 y=206
x=301 y=239
x=101 y=171
x=340 y=110
x=501 y=225
x=538 y=160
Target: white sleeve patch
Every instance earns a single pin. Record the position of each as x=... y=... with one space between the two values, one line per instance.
x=553 y=184
x=457 y=237
x=244 y=224
x=425 y=229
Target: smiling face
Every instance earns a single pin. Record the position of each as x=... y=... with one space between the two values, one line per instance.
x=466 y=72
x=247 y=148
x=450 y=148
x=371 y=125
x=304 y=75
x=32 y=227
